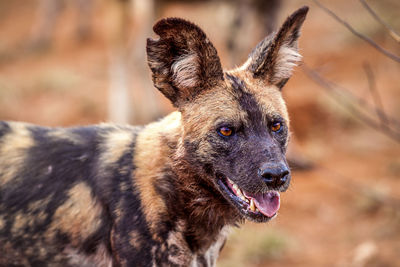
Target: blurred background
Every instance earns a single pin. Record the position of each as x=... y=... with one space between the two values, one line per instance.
x=78 y=62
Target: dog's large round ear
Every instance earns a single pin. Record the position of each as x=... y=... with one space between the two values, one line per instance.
x=183 y=61
x=274 y=57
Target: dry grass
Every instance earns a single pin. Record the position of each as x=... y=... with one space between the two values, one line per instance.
x=251 y=246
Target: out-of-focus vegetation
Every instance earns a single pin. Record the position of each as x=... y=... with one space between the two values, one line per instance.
x=250 y=246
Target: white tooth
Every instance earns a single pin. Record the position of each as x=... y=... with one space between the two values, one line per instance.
x=252 y=206
x=235 y=187
x=239 y=192
x=247 y=200
x=242 y=198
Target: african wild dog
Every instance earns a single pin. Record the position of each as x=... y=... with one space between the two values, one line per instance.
x=166 y=193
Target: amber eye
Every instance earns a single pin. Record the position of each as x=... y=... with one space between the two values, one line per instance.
x=225 y=131
x=276 y=126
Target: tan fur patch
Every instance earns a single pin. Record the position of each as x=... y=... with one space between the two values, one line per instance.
x=40 y=204
x=13 y=148
x=269 y=97
x=23 y=220
x=115 y=145
x=38 y=207
x=61 y=134
x=10 y=254
x=206 y=112
x=123 y=186
x=2 y=222
x=20 y=221
x=151 y=155
x=218 y=105
x=119 y=211
x=134 y=239
x=79 y=216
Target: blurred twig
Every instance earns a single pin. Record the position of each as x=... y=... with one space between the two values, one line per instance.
x=356 y=33
x=375 y=94
x=365 y=105
x=349 y=96
x=348 y=184
x=392 y=32
x=332 y=91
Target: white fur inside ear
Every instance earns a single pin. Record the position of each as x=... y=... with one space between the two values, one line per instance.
x=288 y=57
x=185 y=71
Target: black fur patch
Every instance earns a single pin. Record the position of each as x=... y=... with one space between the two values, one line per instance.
x=4 y=128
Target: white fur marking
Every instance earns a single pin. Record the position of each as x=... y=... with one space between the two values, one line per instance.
x=101 y=258
x=288 y=57
x=185 y=71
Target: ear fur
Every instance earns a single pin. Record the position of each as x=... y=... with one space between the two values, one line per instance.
x=183 y=61
x=274 y=57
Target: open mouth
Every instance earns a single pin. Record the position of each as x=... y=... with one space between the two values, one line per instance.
x=258 y=207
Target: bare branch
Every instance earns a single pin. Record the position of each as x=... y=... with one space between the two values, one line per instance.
x=364 y=104
x=331 y=89
x=347 y=94
x=356 y=33
x=375 y=94
x=392 y=32
x=346 y=183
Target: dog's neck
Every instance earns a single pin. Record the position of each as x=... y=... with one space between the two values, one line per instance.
x=205 y=209
x=180 y=196
x=197 y=202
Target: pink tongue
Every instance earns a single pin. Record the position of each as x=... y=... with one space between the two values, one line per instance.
x=267 y=203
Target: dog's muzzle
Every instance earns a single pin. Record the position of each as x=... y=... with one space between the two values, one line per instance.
x=274 y=175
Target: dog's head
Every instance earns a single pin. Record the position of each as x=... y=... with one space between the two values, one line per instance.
x=235 y=123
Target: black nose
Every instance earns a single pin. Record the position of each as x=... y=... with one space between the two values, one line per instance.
x=274 y=175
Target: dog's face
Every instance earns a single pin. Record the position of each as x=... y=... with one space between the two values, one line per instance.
x=235 y=123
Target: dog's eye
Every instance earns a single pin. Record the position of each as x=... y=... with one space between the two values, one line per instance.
x=276 y=126
x=225 y=131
